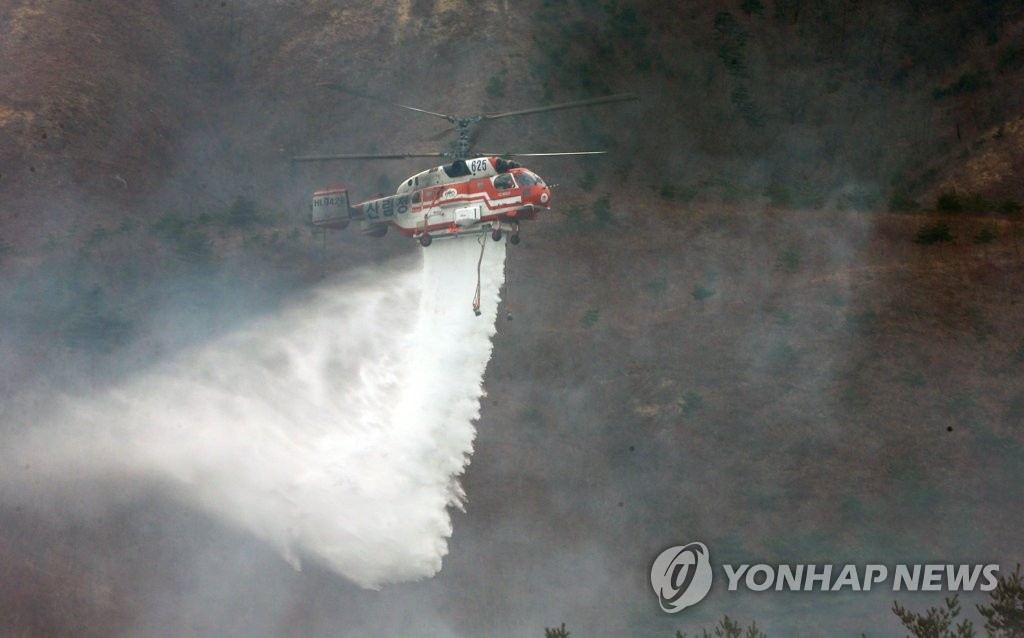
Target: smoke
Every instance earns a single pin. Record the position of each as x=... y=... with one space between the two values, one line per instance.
x=335 y=431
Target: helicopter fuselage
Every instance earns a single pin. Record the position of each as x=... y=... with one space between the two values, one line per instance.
x=467 y=196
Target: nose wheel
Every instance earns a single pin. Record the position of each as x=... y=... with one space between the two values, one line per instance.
x=426 y=240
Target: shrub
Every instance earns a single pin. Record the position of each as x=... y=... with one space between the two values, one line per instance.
x=973 y=202
x=1009 y=207
x=496 y=86
x=701 y=292
x=788 y=260
x=242 y=212
x=691 y=403
x=1004 y=616
x=531 y=416
x=574 y=213
x=602 y=210
x=861 y=323
x=977 y=203
x=186 y=238
x=728 y=628
x=688 y=193
x=732 y=39
x=935 y=233
x=1010 y=58
x=966 y=83
x=590 y=318
x=783 y=356
x=752 y=6
x=556 y=632
x=97 y=235
x=903 y=203
x=657 y=286
x=936 y=622
x=625 y=27
x=779 y=195
x=587 y=181
x=912 y=379
x=837 y=300
x=858 y=199
x=986 y=235
x=949 y=202
x=744 y=104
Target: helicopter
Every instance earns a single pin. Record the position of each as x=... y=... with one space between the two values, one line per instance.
x=472 y=193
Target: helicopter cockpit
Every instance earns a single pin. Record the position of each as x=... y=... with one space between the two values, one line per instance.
x=523 y=178
x=528 y=178
x=503 y=182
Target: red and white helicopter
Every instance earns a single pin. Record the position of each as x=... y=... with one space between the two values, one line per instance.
x=474 y=193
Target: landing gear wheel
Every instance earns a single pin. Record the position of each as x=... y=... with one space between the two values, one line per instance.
x=496 y=235
x=514 y=239
x=426 y=240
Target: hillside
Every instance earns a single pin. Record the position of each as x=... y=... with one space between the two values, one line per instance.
x=781 y=315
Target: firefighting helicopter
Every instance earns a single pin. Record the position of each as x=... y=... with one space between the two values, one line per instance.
x=474 y=193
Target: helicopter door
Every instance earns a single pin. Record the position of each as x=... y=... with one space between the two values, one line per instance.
x=504 y=182
x=430 y=197
x=431 y=203
x=423 y=200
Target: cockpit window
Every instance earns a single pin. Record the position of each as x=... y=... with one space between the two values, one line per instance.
x=526 y=178
x=504 y=181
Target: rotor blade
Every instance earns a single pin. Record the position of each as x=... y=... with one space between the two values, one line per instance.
x=343 y=89
x=396 y=156
x=539 y=154
x=621 y=97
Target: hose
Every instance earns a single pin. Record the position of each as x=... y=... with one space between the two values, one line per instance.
x=476 y=297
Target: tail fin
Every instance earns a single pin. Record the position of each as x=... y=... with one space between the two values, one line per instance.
x=330 y=207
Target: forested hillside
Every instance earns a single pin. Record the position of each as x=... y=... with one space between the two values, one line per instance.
x=780 y=315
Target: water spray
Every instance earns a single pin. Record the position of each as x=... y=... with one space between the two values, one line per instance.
x=335 y=431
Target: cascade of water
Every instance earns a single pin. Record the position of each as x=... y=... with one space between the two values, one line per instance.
x=335 y=430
